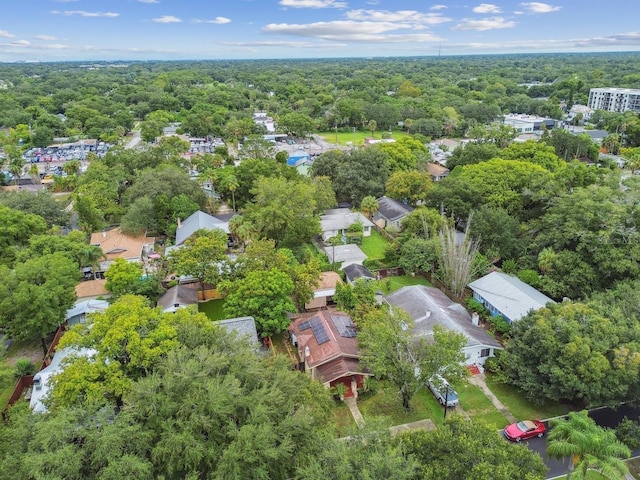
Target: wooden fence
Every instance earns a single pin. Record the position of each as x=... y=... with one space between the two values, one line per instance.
x=26 y=381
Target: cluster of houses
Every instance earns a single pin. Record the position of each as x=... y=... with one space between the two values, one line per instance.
x=325 y=339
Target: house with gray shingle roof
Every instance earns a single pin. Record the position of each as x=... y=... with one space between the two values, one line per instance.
x=429 y=307
x=196 y=221
x=391 y=213
x=338 y=220
x=244 y=326
x=178 y=296
x=507 y=295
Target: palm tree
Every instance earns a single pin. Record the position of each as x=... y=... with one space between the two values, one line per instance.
x=372 y=125
x=90 y=256
x=369 y=206
x=589 y=447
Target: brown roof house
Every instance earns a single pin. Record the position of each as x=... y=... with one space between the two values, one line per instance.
x=116 y=244
x=436 y=171
x=324 y=292
x=328 y=349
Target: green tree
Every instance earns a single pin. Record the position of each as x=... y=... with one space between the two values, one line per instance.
x=42 y=203
x=463 y=449
x=129 y=338
x=35 y=296
x=588 y=446
x=283 y=211
x=573 y=352
x=390 y=350
x=201 y=256
x=418 y=255
x=409 y=186
x=17 y=228
x=122 y=277
x=263 y=294
x=369 y=206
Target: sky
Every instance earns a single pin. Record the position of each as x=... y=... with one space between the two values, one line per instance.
x=56 y=30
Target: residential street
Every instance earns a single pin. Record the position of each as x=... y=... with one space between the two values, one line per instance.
x=605 y=417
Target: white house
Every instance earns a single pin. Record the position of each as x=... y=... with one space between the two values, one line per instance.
x=507 y=295
x=338 y=220
x=428 y=307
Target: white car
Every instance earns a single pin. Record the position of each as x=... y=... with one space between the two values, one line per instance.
x=443 y=392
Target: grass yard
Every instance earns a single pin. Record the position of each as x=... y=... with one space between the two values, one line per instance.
x=214 y=309
x=385 y=406
x=356 y=138
x=519 y=406
x=478 y=406
x=374 y=246
x=342 y=419
x=391 y=284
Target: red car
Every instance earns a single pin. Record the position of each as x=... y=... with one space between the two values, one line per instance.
x=523 y=430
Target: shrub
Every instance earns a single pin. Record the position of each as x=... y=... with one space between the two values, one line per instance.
x=531 y=277
x=499 y=325
x=475 y=306
x=628 y=432
x=492 y=365
x=24 y=367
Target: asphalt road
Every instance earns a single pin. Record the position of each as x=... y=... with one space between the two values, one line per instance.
x=605 y=417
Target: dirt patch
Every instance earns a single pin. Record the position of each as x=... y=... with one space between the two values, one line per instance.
x=32 y=351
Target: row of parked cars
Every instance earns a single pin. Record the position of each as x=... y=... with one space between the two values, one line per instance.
x=515 y=432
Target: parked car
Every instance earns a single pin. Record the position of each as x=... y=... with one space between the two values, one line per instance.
x=523 y=430
x=443 y=392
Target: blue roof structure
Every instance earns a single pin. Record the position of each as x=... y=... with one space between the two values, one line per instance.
x=297 y=158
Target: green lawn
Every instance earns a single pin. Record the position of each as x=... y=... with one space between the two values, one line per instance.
x=519 y=406
x=478 y=406
x=374 y=246
x=342 y=419
x=391 y=284
x=357 y=138
x=214 y=309
x=385 y=407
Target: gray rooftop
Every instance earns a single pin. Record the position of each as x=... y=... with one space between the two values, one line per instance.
x=345 y=253
x=355 y=271
x=428 y=307
x=243 y=326
x=178 y=296
x=341 y=219
x=510 y=295
x=392 y=209
x=197 y=221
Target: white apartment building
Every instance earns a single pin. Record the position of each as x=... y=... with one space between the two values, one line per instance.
x=614 y=99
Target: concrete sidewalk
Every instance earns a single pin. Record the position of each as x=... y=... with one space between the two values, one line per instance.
x=479 y=381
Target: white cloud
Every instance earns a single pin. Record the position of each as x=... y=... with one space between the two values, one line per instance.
x=5 y=34
x=149 y=1
x=166 y=19
x=217 y=20
x=351 y=31
x=46 y=38
x=438 y=7
x=538 y=7
x=487 y=8
x=312 y=4
x=407 y=16
x=484 y=24
x=284 y=44
x=84 y=13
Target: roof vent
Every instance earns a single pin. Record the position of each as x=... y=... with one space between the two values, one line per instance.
x=307 y=352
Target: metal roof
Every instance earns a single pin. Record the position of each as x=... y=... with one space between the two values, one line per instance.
x=509 y=295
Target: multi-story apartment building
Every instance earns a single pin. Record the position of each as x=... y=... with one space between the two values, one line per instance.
x=615 y=99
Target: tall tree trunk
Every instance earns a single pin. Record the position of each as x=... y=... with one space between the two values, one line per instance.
x=44 y=345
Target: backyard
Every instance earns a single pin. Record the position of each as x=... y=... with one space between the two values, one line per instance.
x=374 y=246
x=391 y=284
x=214 y=309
